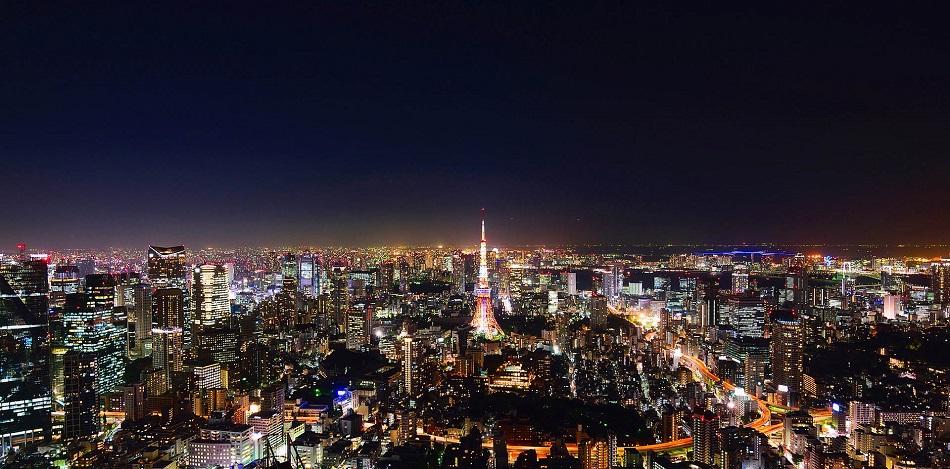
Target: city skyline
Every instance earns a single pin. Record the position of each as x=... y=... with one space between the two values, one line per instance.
x=474 y=235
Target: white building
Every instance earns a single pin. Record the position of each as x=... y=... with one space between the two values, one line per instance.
x=222 y=445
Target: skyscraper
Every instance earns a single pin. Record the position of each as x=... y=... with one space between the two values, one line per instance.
x=169 y=305
x=613 y=281
x=709 y=308
x=82 y=401
x=25 y=393
x=166 y=269
x=752 y=353
x=167 y=337
x=339 y=296
x=410 y=366
x=65 y=280
x=940 y=281
x=166 y=266
x=358 y=322
x=740 y=278
x=136 y=299
x=598 y=312
x=100 y=292
x=289 y=273
x=787 y=354
x=705 y=429
x=212 y=307
x=93 y=331
x=483 y=321
x=306 y=275
x=746 y=314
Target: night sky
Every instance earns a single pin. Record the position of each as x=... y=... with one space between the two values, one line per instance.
x=358 y=123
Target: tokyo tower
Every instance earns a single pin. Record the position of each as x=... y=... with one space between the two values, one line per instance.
x=483 y=321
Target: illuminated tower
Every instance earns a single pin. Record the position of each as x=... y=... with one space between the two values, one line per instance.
x=484 y=321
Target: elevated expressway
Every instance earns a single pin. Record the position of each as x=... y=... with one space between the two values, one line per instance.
x=762 y=424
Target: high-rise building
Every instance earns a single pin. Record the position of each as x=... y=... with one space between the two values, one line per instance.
x=25 y=391
x=387 y=276
x=598 y=453
x=168 y=335
x=359 y=320
x=709 y=308
x=207 y=376
x=273 y=397
x=100 y=292
x=167 y=269
x=65 y=280
x=940 y=281
x=742 y=447
x=746 y=315
x=598 y=312
x=613 y=281
x=892 y=306
x=483 y=321
x=133 y=401
x=705 y=430
x=218 y=344
x=339 y=296
x=81 y=399
x=307 y=276
x=211 y=305
x=136 y=299
x=740 y=279
x=410 y=365
x=166 y=266
x=752 y=353
x=289 y=274
x=670 y=423
x=93 y=331
x=167 y=353
x=569 y=281
x=786 y=360
x=169 y=308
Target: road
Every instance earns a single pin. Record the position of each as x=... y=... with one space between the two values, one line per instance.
x=762 y=424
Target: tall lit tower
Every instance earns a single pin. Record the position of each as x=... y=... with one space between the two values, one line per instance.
x=483 y=320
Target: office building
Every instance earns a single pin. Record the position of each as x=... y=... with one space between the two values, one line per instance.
x=93 y=331
x=787 y=355
x=133 y=401
x=135 y=298
x=359 y=320
x=81 y=399
x=598 y=312
x=166 y=270
x=211 y=305
x=25 y=391
x=289 y=274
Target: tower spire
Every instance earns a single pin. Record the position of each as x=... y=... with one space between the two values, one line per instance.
x=483 y=225
x=483 y=320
